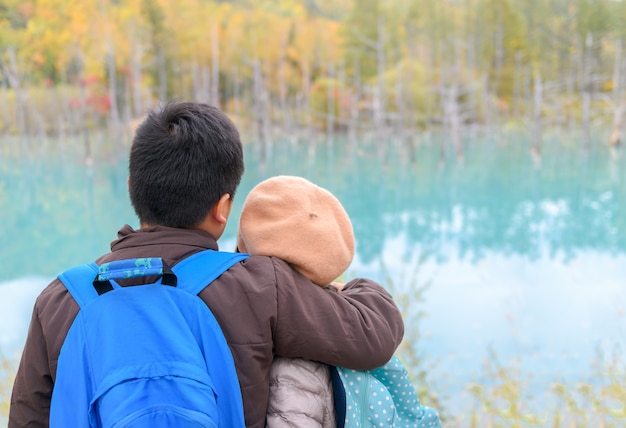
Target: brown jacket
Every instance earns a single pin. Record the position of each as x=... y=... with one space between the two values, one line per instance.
x=264 y=307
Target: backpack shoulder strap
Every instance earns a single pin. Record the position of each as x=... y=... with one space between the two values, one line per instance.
x=75 y=279
x=196 y=272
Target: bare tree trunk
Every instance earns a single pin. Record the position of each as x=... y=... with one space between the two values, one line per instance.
x=493 y=92
x=455 y=122
x=587 y=92
x=83 y=119
x=402 y=120
x=517 y=80
x=5 y=107
x=306 y=91
x=110 y=51
x=379 y=96
x=205 y=84
x=162 y=74
x=236 y=92
x=355 y=98
x=39 y=125
x=342 y=84
x=487 y=105
x=574 y=83
x=499 y=55
x=618 y=105
x=260 y=101
x=330 y=109
x=379 y=122
x=114 y=114
x=14 y=78
x=200 y=83
x=64 y=113
x=215 y=66
x=330 y=102
x=452 y=113
x=195 y=81
x=399 y=89
x=268 y=109
x=61 y=131
x=283 y=94
x=537 y=119
x=181 y=89
x=128 y=100
x=136 y=73
x=411 y=114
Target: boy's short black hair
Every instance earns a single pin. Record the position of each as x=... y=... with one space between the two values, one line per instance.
x=183 y=158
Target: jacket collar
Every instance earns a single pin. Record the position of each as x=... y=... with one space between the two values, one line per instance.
x=128 y=237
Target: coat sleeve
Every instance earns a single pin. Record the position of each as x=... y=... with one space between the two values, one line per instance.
x=358 y=328
x=32 y=388
x=53 y=314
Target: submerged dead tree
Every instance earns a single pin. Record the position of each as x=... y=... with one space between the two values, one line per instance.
x=404 y=127
x=261 y=111
x=452 y=118
x=374 y=48
x=537 y=119
x=587 y=91
x=200 y=82
x=355 y=99
x=283 y=96
x=617 y=99
x=330 y=103
x=215 y=65
x=136 y=79
x=305 y=95
x=114 y=114
x=5 y=105
x=453 y=115
x=380 y=96
x=14 y=77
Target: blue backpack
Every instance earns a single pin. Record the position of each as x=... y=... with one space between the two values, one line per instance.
x=146 y=356
x=383 y=397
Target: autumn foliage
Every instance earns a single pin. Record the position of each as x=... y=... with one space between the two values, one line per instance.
x=342 y=66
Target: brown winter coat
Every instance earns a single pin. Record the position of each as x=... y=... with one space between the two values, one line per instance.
x=264 y=307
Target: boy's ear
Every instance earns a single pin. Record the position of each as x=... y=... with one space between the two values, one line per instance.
x=221 y=210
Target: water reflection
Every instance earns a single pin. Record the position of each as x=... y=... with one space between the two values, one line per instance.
x=506 y=208
x=499 y=203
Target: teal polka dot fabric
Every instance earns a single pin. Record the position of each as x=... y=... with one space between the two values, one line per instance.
x=383 y=397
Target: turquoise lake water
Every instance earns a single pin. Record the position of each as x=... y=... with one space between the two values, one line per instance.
x=525 y=262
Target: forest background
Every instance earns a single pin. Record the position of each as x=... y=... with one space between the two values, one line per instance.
x=367 y=69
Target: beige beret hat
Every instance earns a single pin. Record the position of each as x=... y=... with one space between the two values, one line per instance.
x=305 y=225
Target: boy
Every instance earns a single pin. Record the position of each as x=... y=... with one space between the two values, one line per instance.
x=186 y=162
